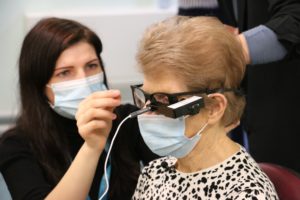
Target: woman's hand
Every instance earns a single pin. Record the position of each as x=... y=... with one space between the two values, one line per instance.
x=245 y=47
x=94 y=117
x=242 y=40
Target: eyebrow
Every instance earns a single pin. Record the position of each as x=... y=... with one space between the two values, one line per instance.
x=61 y=68
x=66 y=67
x=93 y=60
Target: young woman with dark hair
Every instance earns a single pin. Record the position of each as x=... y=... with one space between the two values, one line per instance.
x=52 y=152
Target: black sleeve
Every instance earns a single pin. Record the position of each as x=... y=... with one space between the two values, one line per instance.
x=285 y=22
x=21 y=172
x=224 y=11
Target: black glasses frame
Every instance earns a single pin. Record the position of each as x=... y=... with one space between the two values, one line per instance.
x=173 y=98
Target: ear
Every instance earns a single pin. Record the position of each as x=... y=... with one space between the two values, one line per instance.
x=217 y=108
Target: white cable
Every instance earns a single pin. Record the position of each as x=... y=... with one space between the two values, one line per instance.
x=107 y=157
x=131 y=115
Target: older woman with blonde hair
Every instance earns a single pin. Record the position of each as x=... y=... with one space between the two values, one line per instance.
x=186 y=60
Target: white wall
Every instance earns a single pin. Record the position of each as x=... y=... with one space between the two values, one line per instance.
x=16 y=16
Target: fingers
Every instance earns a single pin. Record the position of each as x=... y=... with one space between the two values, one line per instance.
x=102 y=100
x=93 y=127
x=94 y=114
x=104 y=103
x=105 y=94
x=232 y=29
x=245 y=47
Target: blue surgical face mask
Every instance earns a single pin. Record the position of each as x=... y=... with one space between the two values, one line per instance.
x=68 y=94
x=166 y=136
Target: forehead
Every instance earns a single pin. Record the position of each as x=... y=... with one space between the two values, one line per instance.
x=163 y=82
x=78 y=53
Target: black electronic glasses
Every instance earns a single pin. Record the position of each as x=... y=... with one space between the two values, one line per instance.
x=140 y=97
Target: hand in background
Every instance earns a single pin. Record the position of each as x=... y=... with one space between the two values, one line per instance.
x=245 y=47
x=232 y=29
x=241 y=38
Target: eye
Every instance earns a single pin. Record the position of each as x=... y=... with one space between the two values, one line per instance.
x=63 y=74
x=161 y=98
x=92 y=66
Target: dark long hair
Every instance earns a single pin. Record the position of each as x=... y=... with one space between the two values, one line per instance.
x=40 y=50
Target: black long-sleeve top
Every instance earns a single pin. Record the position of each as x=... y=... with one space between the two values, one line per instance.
x=25 y=177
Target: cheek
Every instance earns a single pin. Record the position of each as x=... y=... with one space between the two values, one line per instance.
x=189 y=127
x=94 y=71
x=194 y=123
x=50 y=95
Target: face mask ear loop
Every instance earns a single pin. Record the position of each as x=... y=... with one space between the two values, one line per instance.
x=186 y=116
x=107 y=157
x=202 y=129
x=205 y=125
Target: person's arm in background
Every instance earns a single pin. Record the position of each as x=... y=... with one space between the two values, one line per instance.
x=261 y=45
x=280 y=36
x=270 y=42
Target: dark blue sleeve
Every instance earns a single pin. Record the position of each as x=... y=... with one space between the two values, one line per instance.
x=263 y=45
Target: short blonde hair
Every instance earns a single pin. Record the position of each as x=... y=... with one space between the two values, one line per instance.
x=201 y=51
